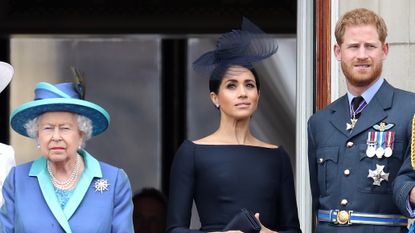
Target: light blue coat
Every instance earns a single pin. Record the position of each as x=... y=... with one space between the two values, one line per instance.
x=31 y=204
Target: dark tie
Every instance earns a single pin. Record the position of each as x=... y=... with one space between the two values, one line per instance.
x=358 y=104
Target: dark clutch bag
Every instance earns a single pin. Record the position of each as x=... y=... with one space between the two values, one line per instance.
x=244 y=221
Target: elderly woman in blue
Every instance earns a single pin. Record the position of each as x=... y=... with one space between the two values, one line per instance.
x=66 y=189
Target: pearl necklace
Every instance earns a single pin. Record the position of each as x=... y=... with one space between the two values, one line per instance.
x=66 y=184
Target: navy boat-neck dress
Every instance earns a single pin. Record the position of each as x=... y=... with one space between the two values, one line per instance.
x=222 y=179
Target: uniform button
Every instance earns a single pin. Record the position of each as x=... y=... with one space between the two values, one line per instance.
x=346 y=172
x=349 y=144
x=344 y=202
x=320 y=160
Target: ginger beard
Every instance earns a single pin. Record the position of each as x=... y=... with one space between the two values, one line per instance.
x=362 y=73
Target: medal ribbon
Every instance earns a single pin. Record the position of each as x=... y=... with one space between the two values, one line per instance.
x=371 y=144
x=381 y=139
x=371 y=137
x=358 y=110
x=390 y=137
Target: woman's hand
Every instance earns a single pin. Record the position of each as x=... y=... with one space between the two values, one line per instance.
x=263 y=228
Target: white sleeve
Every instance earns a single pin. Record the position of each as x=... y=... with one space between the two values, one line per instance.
x=6 y=163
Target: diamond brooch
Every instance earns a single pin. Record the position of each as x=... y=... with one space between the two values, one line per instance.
x=101 y=185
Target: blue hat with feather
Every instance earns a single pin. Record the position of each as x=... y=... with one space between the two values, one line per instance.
x=61 y=97
x=242 y=47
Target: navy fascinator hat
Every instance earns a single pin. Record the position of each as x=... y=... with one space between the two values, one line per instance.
x=242 y=47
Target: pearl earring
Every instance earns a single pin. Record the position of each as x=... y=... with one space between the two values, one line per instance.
x=217 y=105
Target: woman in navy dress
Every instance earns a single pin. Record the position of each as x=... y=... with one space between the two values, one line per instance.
x=231 y=169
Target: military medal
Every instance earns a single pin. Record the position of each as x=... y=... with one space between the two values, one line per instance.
x=379 y=152
x=350 y=126
x=371 y=144
x=384 y=140
x=381 y=140
x=390 y=136
x=371 y=150
x=354 y=113
x=378 y=175
x=388 y=152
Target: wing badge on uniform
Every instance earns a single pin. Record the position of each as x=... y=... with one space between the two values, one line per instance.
x=383 y=126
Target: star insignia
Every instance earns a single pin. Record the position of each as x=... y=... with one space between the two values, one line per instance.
x=378 y=175
x=101 y=185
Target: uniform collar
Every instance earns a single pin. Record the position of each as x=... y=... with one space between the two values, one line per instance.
x=374 y=112
x=369 y=93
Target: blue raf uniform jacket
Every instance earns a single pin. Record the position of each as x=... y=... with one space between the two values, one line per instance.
x=31 y=204
x=338 y=163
